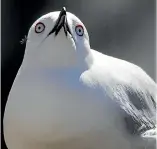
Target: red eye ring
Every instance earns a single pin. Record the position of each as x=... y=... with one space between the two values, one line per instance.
x=79 y=30
x=40 y=27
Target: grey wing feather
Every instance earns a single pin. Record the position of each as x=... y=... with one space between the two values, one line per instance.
x=139 y=108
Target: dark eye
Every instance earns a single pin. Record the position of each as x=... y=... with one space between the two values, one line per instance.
x=40 y=27
x=79 y=30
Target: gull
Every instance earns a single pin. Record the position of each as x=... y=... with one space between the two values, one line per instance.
x=69 y=96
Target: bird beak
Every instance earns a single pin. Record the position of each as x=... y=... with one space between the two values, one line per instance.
x=61 y=22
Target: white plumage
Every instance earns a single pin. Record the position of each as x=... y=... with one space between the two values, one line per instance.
x=68 y=96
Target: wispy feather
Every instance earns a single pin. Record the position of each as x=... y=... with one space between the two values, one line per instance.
x=23 y=40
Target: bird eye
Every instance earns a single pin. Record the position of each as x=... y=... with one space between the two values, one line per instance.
x=79 y=30
x=40 y=27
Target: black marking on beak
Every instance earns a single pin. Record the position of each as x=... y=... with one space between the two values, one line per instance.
x=61 y=22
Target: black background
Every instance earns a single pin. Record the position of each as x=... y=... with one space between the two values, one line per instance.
x=121 y=28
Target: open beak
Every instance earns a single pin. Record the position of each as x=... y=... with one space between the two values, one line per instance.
x=61 y=22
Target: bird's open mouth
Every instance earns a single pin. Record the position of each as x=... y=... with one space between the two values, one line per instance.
x=61 y=22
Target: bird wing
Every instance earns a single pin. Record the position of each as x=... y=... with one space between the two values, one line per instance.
x=131 y=89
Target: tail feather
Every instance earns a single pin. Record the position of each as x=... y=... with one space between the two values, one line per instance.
x=150 y=137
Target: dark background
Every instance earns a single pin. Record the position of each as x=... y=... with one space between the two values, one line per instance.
x=121 y=28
